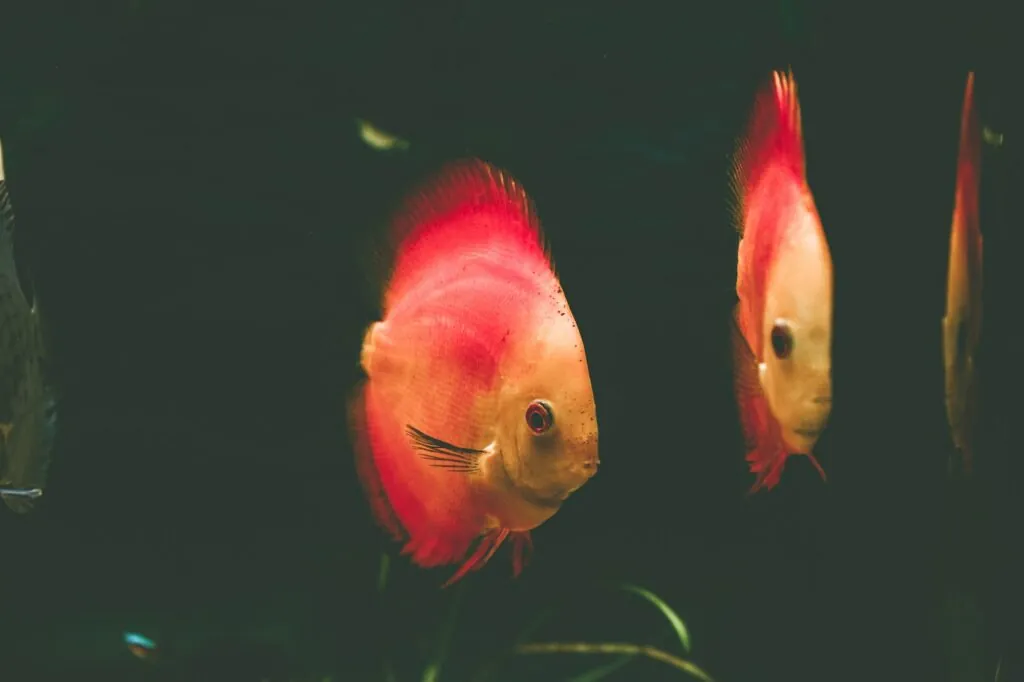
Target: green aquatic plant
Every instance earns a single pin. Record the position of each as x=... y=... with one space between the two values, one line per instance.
x=444 y=638
x=628 y=650
x=523 y=645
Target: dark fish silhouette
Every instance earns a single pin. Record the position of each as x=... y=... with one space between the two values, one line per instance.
x=28 y=405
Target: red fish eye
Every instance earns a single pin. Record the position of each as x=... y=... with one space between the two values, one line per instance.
x=782 y=340
x=539 y=417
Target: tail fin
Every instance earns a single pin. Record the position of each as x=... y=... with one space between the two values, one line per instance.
x=469 y=204
x=968 y=172
x=774 y=138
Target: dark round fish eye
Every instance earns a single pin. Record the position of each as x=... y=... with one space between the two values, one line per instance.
x=782 y=340
x=539 y=417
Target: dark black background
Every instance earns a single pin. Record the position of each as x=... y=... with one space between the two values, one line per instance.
x=197 y=210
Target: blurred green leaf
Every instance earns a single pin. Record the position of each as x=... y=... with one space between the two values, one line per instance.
x=675 y=620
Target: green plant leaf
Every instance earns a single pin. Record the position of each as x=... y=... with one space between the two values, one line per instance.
x=675 y=620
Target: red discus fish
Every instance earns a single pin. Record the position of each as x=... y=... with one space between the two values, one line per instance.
x=961 y=325
x=477 y=419
x=782 y=336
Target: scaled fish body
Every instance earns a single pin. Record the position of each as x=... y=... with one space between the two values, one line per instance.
x=477 y=419
x=782 y=336
x=27 y=403
x=961 y=325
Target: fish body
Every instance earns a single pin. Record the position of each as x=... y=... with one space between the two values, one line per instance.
x=961 y=325
x=27 y=402
x=782 y=333
x=477 y=417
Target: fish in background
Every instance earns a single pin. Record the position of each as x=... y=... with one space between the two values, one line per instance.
x=782 y=332
x=477 y=418
x=28 y=405
x=961 y=325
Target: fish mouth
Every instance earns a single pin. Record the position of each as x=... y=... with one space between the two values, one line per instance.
x=809 y=433
x=586 y=471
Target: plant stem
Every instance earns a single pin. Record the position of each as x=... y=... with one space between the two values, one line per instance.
x=613 y=648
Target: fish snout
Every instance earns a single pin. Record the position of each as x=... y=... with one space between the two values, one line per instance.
x=583 y=471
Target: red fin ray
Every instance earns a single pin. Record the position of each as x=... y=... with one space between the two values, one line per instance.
x=969 y=159
x=522 y=547
x=768 y=181
x=968 y=184
x=469 y=206
x=485 y=549
x=774 y=139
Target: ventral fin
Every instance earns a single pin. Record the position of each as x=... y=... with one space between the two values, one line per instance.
x=746 y=382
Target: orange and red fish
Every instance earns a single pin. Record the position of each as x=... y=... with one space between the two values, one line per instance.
x=477 y=418
x=961 y=325
x=782 y=334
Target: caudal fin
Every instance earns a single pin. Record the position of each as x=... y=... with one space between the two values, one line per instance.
x=773 y=140
x=468 y=206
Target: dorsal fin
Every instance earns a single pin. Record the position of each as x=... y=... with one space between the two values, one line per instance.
x=773 y=139
x=467 y=206
x=968 y=172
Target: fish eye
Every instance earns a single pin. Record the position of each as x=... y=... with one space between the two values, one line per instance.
x=782 y=340
x=539 y=417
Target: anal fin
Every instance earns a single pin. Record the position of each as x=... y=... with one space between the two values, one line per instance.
x=522 y=548
x=746 y=383
x=485 y=549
